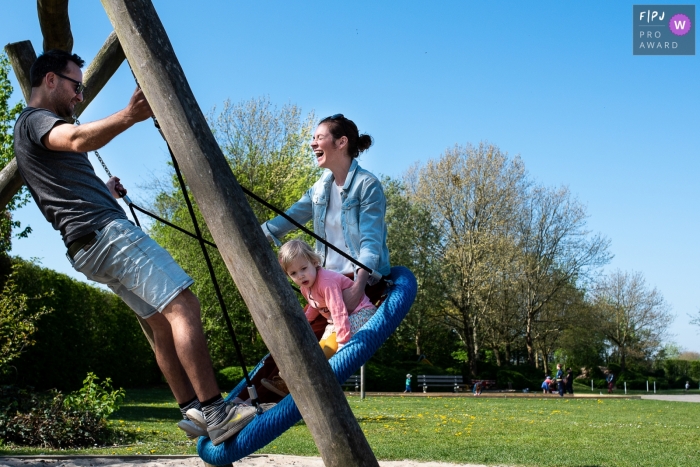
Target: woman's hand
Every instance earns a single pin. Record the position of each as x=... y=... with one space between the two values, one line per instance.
x=353 y=295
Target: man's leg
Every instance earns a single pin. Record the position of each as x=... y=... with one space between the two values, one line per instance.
x=167 y=359
x=183 y=316
x=191 y=352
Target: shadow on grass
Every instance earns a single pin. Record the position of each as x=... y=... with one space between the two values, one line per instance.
x=147 y=405
x=140 y=413
x=157 y=395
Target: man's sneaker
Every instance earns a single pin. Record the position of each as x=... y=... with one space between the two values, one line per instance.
x=276 y=385
x=237 y=417
x=192 y=430
x=196 y=416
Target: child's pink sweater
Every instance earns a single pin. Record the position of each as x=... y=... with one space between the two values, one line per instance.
x=325 y=297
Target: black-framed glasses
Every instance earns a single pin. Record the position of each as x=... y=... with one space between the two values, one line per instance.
x=79 y=86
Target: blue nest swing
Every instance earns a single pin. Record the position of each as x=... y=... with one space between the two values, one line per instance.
x=271 y=424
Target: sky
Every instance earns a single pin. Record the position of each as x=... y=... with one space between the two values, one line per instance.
x=553 y=82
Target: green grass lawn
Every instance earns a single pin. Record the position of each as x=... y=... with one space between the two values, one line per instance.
x=542 y=432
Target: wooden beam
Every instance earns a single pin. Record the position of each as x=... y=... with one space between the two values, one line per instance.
x=235 y=229
x=103 y=66
x=22 y=56
x=10 y=182
x=55 y=24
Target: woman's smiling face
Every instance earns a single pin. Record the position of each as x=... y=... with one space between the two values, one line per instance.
x=327 y=150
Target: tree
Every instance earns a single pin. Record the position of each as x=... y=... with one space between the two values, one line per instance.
x=633 y=317
x=695 y=320
x=268 y=152
x=17 y=323
x=501 y=325
x=413 y=241
x=566 y=310
x=7 y=153
x=473 y=195
x=556 y=249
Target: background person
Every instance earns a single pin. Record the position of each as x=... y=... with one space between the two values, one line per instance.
x=561 y=381
x=547 y=385
x=610 y=378
x=569 y=381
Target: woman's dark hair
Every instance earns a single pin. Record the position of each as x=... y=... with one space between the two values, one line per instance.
x=340 y=126
x=52 y=61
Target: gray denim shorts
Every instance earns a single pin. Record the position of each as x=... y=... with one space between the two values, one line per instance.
x=134 y=266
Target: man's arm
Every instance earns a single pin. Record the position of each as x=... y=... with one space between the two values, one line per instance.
x=94 y=135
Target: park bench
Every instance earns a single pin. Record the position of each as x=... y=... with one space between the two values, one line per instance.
x=353 y=382
x=451 y=381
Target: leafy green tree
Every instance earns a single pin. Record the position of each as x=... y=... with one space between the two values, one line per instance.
x=413 y=241
x=501 y=326
x=8 y=115
x=556 y=249
x=695 y=319
x=18 y=323
x=633 y=317
x=267 y=149
x=473 y=194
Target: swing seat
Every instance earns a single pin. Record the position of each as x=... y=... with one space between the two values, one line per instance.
x=268 y=426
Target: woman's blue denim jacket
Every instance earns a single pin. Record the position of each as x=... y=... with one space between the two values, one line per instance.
x=362 y=217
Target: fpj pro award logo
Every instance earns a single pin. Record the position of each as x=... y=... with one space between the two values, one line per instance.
x=663 y=29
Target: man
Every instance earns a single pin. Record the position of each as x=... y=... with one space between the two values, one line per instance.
x=105 y=246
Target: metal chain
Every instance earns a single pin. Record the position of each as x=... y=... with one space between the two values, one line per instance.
x=99 y=158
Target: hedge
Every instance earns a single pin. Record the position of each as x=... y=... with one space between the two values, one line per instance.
x=89 y=330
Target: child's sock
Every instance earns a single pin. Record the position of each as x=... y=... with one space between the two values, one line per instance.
x=192 y=404
x=214 y=410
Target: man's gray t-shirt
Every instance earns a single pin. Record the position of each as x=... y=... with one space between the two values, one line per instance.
x=64 y=184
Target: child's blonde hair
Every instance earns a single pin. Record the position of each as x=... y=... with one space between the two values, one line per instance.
x=294 y=249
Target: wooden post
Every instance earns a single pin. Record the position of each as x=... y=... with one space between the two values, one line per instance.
x=362 y=382
x=55 y=24
x=22 y=56
x=107 y=61
x=243 y=247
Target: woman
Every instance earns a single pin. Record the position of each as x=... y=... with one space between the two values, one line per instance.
x=347 y=205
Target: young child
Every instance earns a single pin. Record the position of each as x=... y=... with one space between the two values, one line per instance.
x=323 y=289
x=547 y=385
